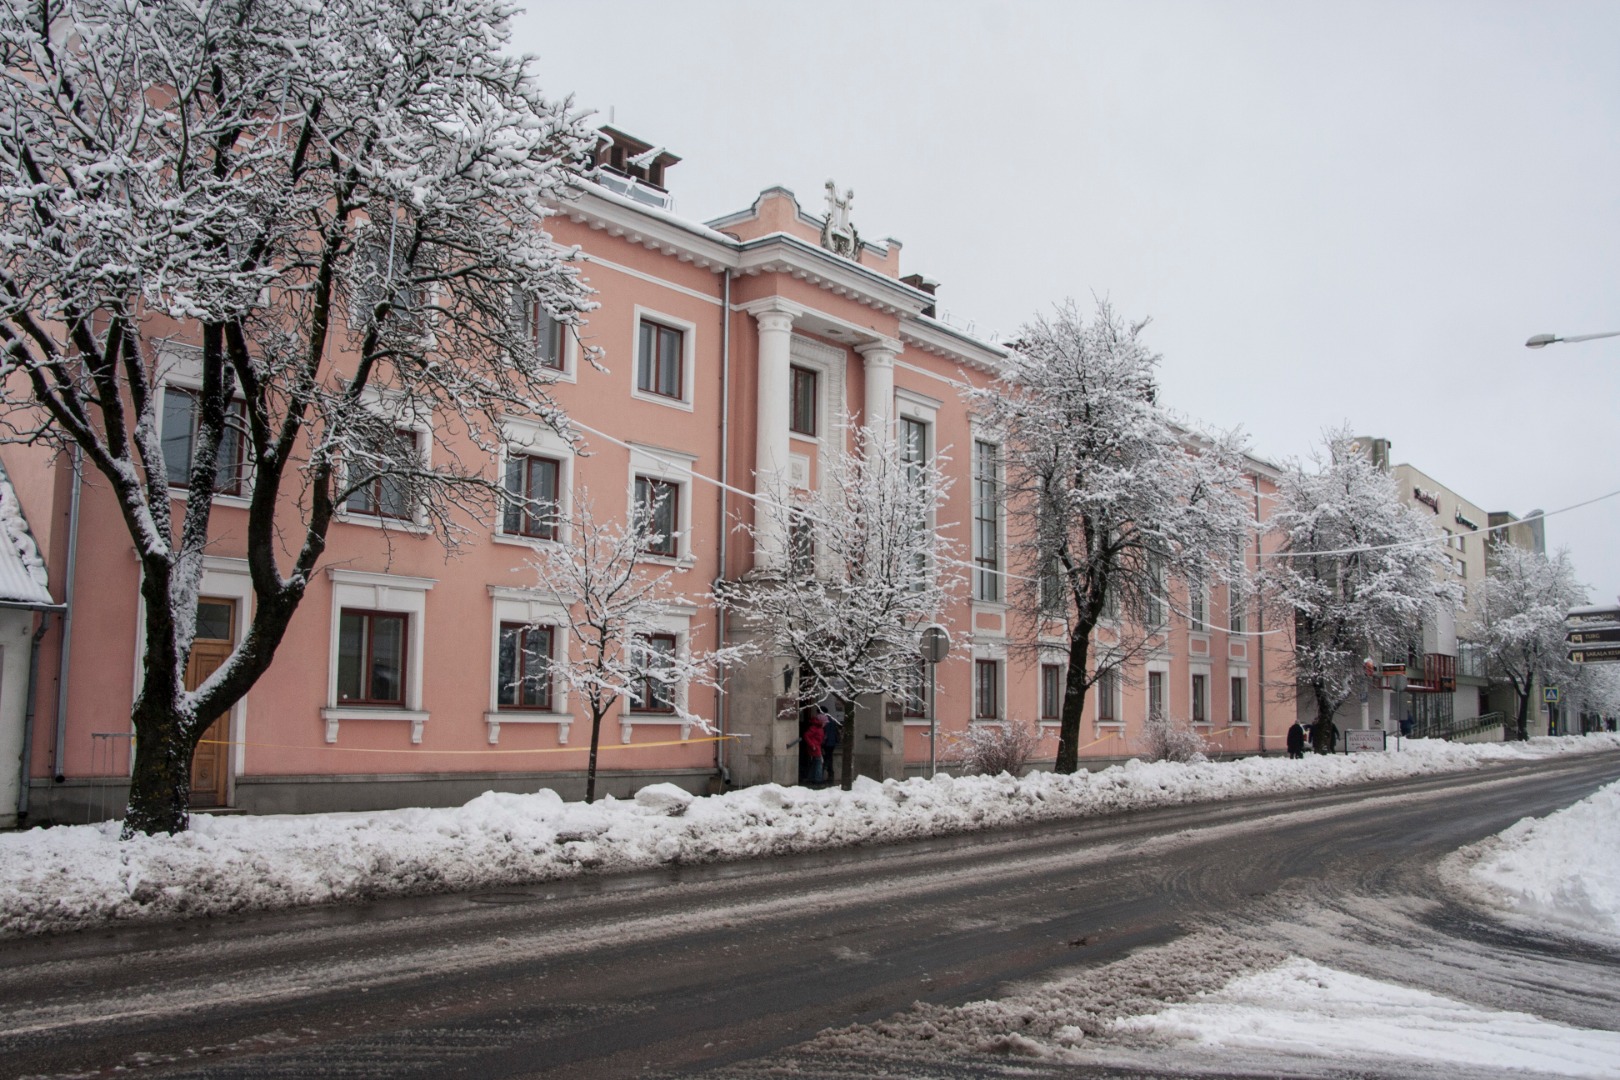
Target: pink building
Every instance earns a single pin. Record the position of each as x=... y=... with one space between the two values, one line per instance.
x=737 y=354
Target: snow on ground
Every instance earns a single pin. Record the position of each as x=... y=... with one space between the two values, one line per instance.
x=79 y=876
x=1300 y=1007
x=1563 y=868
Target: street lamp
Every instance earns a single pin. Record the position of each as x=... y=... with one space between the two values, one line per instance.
x=1541 y=341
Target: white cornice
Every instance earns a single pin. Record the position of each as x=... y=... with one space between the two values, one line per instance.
x=932 y=337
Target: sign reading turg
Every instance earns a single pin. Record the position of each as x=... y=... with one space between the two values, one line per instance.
x=1594 y=635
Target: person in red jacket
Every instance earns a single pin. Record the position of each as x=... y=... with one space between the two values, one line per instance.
x=815 y=737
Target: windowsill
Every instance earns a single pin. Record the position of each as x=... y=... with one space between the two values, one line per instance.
x=990 y=605
x=916 y=721
x=371 y=712
x=386 y=524
x=335 y=714
x=533 y=543
x=184 y=495
x=495 y=719
x=814 y=440
x=655 y=717
x=678 y=562
x=660 y=399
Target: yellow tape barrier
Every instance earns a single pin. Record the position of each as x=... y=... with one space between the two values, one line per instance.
x=419 y=750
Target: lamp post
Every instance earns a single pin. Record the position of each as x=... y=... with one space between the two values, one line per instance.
x=1541 y=341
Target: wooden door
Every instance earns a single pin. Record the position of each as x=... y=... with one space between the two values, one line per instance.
x=216 y=637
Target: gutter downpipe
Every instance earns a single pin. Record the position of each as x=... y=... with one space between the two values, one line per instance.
x=30 y=713
x=721 y=756
x=1259 y=615
x=58 y=774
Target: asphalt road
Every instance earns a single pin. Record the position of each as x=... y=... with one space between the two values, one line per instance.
x=729 y=969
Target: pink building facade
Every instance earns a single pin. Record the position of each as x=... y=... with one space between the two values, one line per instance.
x=735 y=356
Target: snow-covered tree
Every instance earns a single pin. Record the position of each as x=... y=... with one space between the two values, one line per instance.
x=1109 y=498
x=618 y=648
x=1357 y=571
x=322 y=218
x=1520 y=619
x=870 y=566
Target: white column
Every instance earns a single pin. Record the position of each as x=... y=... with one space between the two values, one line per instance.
x=879 y=362
x=771 y=462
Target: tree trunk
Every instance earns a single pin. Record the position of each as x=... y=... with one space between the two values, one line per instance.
x=1323 y=730
x=1074 y=702
x=160 y=782
x=1524 y=715
x=847 y=758
x=590 y=767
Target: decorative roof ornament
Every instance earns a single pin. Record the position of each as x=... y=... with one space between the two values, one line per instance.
x=837 y=234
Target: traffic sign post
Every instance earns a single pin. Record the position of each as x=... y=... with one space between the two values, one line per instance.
x=1589 y=616
x=935 y=645
x=1595 y=654
x=1594 y=635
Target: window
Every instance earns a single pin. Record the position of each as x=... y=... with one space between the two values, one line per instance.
x=986 y=690
x=1155 y=702
x=658 y=503
x=533 y=480
x=544 y=333
x=1197 y=609
x=1237 y=617
x=656 y=653
x=914 y=696
x=1200 y=699
x=986 y=520
x=525 y=672
x=1108 y=696
x=803 y=417
x=913 y=442
x=1053 y=594
x=658 y=367
x=1155 y=600
x=1240 y=700
x=801 y=545
x=180 y=416
x=389 y=495
x=1051 y=691
x=371 y=658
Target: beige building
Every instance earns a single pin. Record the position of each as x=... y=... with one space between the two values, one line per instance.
x=1446 y=689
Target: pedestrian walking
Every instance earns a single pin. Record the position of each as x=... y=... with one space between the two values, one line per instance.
x=1296 y=741
x=814 y=738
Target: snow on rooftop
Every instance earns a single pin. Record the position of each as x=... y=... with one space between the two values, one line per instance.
x=22 y=571
x=80 y=876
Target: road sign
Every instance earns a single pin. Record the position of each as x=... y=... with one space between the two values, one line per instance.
x=1593 y=637
x=1586 y=616
x=1595 y=654
x=1361 y=742
x=1549 y=695
x=935 y=644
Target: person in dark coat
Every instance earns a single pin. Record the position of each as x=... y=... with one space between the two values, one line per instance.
x=831 y=736
x=1296 y=741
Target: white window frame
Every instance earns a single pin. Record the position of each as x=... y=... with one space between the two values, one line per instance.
x=1198 y=599
x=528 y=438
x=688 y=331
x=673 y=467
x=1118 y=700
x=1000 y=570
x=676 y=619
x=1203 y=670
x=1233 y=675
x=512 y=605
x=180 y=366
x=570 y=345
x=1161 y=668
x=396 y=410
x=364 y=590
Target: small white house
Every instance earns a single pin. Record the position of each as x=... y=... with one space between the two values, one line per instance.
x=23 y=596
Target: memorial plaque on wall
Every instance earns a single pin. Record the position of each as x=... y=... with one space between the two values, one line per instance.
x=787 y=708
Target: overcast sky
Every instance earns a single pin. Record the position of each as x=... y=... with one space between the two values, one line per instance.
x=1333 y=213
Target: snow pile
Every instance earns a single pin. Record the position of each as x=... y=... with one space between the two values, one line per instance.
x=1302 y=1008
x=1229 y=1004
x=79 y=876
x=1564 y=867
